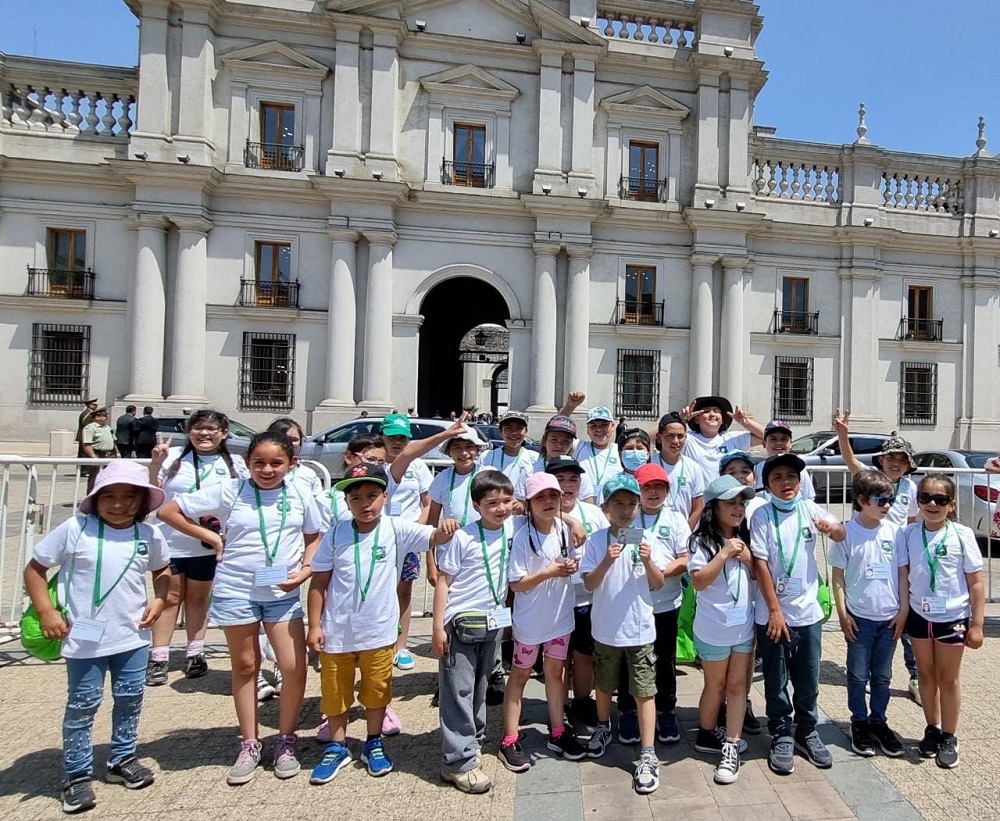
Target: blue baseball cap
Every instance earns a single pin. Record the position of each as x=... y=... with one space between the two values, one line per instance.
x=733 y=456
x=620 y=482
x=600 y=413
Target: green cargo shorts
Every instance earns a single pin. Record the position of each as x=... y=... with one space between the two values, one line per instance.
x=641 y=666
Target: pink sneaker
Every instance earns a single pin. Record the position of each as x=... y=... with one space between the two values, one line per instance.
x=392 y=724
x=323 y=732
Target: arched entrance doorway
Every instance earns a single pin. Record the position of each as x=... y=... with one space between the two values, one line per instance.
x=451 y=309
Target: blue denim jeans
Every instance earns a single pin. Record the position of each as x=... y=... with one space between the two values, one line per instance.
x=800 y=667
x=909 y=659
x=869 y=657
x=86 y=689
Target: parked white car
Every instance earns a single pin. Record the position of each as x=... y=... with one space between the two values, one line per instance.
x=977 y=493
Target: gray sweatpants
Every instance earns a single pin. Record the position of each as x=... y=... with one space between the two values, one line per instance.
x=462 y=678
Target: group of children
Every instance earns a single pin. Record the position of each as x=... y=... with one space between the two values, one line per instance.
x=516 y=547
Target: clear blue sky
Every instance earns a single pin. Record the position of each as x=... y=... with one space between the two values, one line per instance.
x=926 y=69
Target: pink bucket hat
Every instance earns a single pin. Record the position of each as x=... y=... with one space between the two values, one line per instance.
x=538 y=482
x=123 y=472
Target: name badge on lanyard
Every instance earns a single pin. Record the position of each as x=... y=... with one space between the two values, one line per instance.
x=788 y=586
x=270 y=576
x=88 y=630
x=878 y=572
x=933 y=605
x=498 y=619
x=736 y=616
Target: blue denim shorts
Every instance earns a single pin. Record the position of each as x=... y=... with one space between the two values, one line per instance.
x=234 y=612
x=712 y=652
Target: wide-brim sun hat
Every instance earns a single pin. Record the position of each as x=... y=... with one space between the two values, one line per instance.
x=727 y=487
x=539 y=482
x=719 y=402
x=782 y=459
x=123 y=472
x=896 y=444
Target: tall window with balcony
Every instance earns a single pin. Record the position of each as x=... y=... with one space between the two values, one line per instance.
x=66 y=274
x=272 y=285
x=639 y=306
x=794 y=316
x=468 y=166
x=60 y=364
x=793 y=388
x=277 y=149
x=918 y=393
x=642 y=183
x=267 y=371
x=919 y=322
x=637 y=384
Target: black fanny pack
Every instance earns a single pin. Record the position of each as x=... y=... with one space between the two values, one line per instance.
x=471 y=627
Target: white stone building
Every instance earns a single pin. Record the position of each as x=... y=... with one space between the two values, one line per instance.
x=302 y=206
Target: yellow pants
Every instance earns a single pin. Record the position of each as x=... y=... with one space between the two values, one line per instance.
x=337 y=679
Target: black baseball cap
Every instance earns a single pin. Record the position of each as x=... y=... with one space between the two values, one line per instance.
x=363 y=473
x=564 y=462
x=782 y=459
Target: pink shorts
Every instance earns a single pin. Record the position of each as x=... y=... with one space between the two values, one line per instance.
x=525 y=654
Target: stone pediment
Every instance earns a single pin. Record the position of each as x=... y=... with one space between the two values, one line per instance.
x=273 y=53
x=646 y=100
x=468 y=80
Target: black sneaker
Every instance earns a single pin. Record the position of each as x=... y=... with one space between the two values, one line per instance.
x=436 y=698
x=494 y=690
x=929 y=744
x=513 y=758
x=947 y=754
x=196 y=666
x=566 y=746
x=130 y=773
x=751 y=724
x=886 y=739
x=156 y=673
x=582 y=715
x=709 y=741
x=861 y=739
x=78 y=794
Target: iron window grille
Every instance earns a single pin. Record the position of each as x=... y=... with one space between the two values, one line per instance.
x=793 y=388
x=637 y=384
x=60 y=364
x=918 y=393
x=267 y=371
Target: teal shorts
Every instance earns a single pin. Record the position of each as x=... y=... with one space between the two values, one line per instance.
x=712 y=652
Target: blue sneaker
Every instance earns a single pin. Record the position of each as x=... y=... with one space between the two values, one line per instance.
x=628 y=727
x=404 y=660
x=335 y=758
x=373 y=755
x=667 y=730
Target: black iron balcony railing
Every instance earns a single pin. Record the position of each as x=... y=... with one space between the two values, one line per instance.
x=469 y=174
x=269 y=294
x=796 y=322
x=642 y=189
x=59 y=283
x=927 y=330
x=273 y=157
x=630 y=312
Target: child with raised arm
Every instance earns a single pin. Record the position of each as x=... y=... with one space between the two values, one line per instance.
x=709 y=418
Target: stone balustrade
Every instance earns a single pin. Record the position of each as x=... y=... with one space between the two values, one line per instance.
x=75 y=99
x=788 y=179
x=923 y=192
x=648 y=23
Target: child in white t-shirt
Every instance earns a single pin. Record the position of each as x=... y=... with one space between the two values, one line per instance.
x=789 y=617
x=353 y=613
x=621 y=568
x=721 y=569
x=867 y=593
x=559 y=439
x=709 y=418
x=104 y=556
x=514 y=460
x=943 y=574
x=270 y=532
x=599 y=457
x=778 y=440
x=542 y=563
x=687 y=482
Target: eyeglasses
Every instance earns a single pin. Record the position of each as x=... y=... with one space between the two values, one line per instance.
x=211 y=429
x=372 y=460
x=939 y=499
x=882 y=501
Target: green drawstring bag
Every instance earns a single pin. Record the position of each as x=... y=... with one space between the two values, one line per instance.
x=32 y=638
x=823 y=593
x=685 y=623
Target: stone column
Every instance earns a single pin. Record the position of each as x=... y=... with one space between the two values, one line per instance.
x=733 y=347
x=702 y=337
x=865 y=285
x=385 y=81
x=549 y=114
x=153 y=96
x=583 y=123
x=543 y=329
x=577 y=320
x=187 y=345
x=194 y=123
x=147 y=310
x=739 y=135
x=376 y=380
x=977 y=416
x=346 y=100
x=341 y=321
x=707 y=185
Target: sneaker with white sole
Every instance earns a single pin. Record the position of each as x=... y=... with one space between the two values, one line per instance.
x=335 y=757
x=286 y=765
x=628 y=727
x=781 y=759
x=374 y=757
x=599 y=741
x=403 y=660
x=913 y=688
x=265 y=689
x=947 y=754
x=131 y=773
x=647 y=775
x=156 y=673
x=813 y=748
x=712 y=741
x=728 y=769
x=78 y=794
x=245 y=769
x=566 y=746
x=667 y=729
x=862 y=741
x=277 y=681
x=473 y=781
x=513 y=757
x=886 y=739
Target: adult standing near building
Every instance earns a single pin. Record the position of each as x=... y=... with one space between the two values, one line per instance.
x=146 y=428
x=620 y=431
x=125 y=431
x=98 y=443
x=84 y=419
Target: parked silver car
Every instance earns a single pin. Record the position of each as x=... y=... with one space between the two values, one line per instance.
x=821 y=449
x=328 y=446
x=173 y=426
x=977 y=494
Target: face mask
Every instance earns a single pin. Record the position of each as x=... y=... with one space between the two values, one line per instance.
x=632 y=460
x=786 y=504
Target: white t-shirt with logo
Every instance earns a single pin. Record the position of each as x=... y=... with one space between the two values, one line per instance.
x=796 y=527
x=546 y=611
x=73 y=547
x=361 y=610
x=586 y=486
x=870 y=559
x=234 y=503
x=593 y=519
x=733 y=592
x=516 y=468
x=212 y=470
x=600 y=466
x=955 y=549
x=453 y=491
x=905 y=507
x=707 y=452
x=622 y=615
x=404 y=498
x=672 y=531
x=806 y=488
x=687 y=482
x=463 y=559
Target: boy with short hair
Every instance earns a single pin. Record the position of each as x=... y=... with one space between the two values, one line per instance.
x=514 y=460
x=687 y=482
x=621 y=568
x=778 y=440
x=709 y=418
x=867 y=589
x=354 y=613
x=471 y=590
x=599 y=457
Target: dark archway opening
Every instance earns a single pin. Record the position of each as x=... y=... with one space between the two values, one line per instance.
x=451 y=309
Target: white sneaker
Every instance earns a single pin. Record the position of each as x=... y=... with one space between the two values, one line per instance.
x=728 y=769
x=914 y=690
x=277 y=681
x=264 y=688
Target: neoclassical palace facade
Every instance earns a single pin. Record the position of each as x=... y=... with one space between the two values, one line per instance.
x=308 y=207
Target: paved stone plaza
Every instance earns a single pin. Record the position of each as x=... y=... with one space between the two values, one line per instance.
x=188 y=735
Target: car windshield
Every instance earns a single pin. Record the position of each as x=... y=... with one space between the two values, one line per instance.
x=490 y=431
x=810 y=442
x=977 y=458
x=237 y=429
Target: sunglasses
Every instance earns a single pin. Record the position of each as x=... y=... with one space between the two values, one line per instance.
x=939 y=499
x=882 y=501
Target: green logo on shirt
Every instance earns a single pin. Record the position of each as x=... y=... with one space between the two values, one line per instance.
x=941 y=550
x=887 y=546
x=142 y=549
x=903 y=500
x=379 y=553
x=664 y=531
x=807 y=533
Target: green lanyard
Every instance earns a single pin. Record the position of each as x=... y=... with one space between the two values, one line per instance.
x=788 y=566
x=363 y=589
x=587 y=527
x=99 y=597
x=199 y=478
x=933 y=558
x=599 y=474
x=468 y=493
x=676 y=486
x=332 y=495
x=642 y=517
x=739 y=583
x=486 y=561
x=283 y=504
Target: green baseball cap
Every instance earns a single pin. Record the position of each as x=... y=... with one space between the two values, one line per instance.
x=395 y=424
